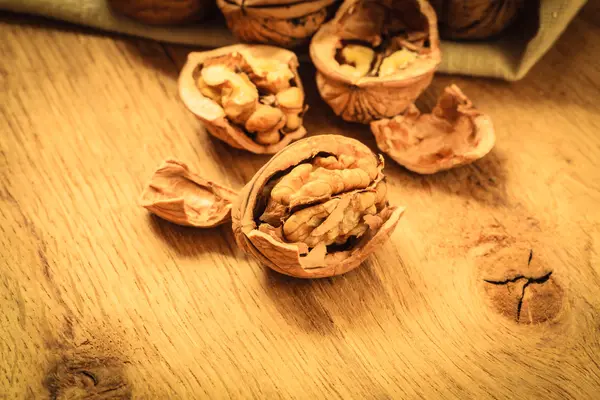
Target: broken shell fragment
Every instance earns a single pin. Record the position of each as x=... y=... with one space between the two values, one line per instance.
x=182 y=197
x=375 y=57
x=286 y=23
x=249 y=96
x=318 y=208
x=454 y=134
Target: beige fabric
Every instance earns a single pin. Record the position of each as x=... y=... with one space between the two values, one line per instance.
x=511 y=60
x=501 y=59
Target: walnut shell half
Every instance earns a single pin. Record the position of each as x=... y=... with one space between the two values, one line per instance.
x=375 y=57
x=286 y=23
x=182 y=197
x=454 y=134
x=163 y=12
x=318 y=208
x=249 y=96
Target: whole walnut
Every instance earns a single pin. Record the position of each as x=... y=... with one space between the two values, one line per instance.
x=375 y=57
x=249 y=96
x=475 y=19
x=318 y=208
x=286 y=23
x=163 y=12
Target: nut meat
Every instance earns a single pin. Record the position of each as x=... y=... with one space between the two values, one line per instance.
x=162 y=12
x=454 y=134
x=249 y=96
x=376 y=57
x=180 y=196
x=286 y=23
x=317 y=208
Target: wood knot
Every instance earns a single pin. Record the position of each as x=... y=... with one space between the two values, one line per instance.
x=519 y=285
x=86 y=373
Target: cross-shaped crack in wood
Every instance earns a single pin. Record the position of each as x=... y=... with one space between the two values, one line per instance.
x=526 y=298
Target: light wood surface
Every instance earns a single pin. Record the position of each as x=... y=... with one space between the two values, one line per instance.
x=489 y=288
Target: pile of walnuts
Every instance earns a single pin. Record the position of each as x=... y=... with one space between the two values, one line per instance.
x=319 y=207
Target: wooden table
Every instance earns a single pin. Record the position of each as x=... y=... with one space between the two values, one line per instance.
x=489 y=288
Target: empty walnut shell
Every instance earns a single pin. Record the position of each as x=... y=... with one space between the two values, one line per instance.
x=318 y=208
x=182 y=197
x=399 y=52
x=163 y=12
x=475 y=19
x=454 y=134
x=286 y=23
x=249 y=96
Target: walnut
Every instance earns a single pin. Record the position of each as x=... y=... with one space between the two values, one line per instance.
x=475 y=19
x=161 y=12
x=317 y=208
x=180 y=196
x=375 y=57
x=249 y=96
x=454 y=134
x=286 y=23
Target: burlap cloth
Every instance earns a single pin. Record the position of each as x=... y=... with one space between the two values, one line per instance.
x=508 y=58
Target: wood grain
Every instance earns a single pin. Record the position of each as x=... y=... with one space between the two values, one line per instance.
x=100 y=300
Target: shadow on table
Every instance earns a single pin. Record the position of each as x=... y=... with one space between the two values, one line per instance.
x=320 y=305
x=191 y=242
x=147 y=52
x=484 y=181
x=237 y=164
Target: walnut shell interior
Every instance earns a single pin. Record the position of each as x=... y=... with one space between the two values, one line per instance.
x=317 y=208
x=453 y=134
x=180 y=196
x=286 y=23
x=249 y=96
x=375 y=57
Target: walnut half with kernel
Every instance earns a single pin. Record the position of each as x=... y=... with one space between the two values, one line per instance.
x=318 y=208
x=375 y=57
x=249 y=96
